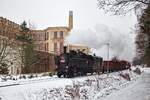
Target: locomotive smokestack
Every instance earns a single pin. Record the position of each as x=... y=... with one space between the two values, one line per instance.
x=65 y=49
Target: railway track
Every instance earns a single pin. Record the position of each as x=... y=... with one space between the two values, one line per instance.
x=28 y=82
x=24 y=82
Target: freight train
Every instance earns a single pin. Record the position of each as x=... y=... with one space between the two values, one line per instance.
x=77 y=63
x=115 y=65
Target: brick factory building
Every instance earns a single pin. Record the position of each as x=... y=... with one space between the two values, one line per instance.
x=48 y=42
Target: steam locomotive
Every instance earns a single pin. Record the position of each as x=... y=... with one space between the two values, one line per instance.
x=77 y=63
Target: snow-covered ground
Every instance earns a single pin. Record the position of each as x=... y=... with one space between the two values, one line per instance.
x=139 y=90
x=93 y=87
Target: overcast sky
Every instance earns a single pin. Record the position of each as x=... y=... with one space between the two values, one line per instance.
x=45 y=13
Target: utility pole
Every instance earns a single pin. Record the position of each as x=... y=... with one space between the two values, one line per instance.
x=108 y=46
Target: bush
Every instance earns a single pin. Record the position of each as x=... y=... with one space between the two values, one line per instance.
x=23 y=76
x=45 y=74
x=73 y=91
x=31 y=76
x=14 y=78
x=4 y=79
x=137 y=71
x=52 y=73
x=126 y=76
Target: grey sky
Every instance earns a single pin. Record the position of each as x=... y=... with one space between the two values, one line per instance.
x=45 y=13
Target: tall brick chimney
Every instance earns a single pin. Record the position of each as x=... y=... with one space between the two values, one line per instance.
x=70 y=20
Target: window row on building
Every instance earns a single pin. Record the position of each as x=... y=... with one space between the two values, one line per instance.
x=42 y=47
x=58 y=34
x=42 y=35
x=58 y=47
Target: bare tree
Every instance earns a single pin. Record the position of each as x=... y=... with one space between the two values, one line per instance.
x=31 y=25
x=118 y=7
x=144 y=24
x=4 y=51
x=7 y=44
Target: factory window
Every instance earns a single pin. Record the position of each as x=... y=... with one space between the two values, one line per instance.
x=61 y=47
x=46 y=47
x=39 y=37
x=55 y=34
x=1 y=32
x=40 y=46
x=55 y=47
x=61 y=34
x=46 y=36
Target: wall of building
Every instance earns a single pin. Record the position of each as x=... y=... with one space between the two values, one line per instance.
x=56 y=39
x=8 y=28
x=40 y=39
x=45 y=63
x=52 y=39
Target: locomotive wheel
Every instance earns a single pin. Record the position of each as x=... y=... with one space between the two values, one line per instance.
x=70 y=75
x=83 y=73
x=58 y=74
x=65 y=75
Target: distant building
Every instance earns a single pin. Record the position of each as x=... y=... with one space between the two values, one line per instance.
x=51 y=39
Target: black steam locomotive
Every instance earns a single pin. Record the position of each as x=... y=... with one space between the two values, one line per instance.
x=77 y=63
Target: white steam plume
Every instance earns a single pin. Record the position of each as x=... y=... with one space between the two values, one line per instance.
x=121 y=45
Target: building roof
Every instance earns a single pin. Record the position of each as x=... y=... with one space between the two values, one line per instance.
x=58 y=28
x=2 y=18
x=37 y=30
